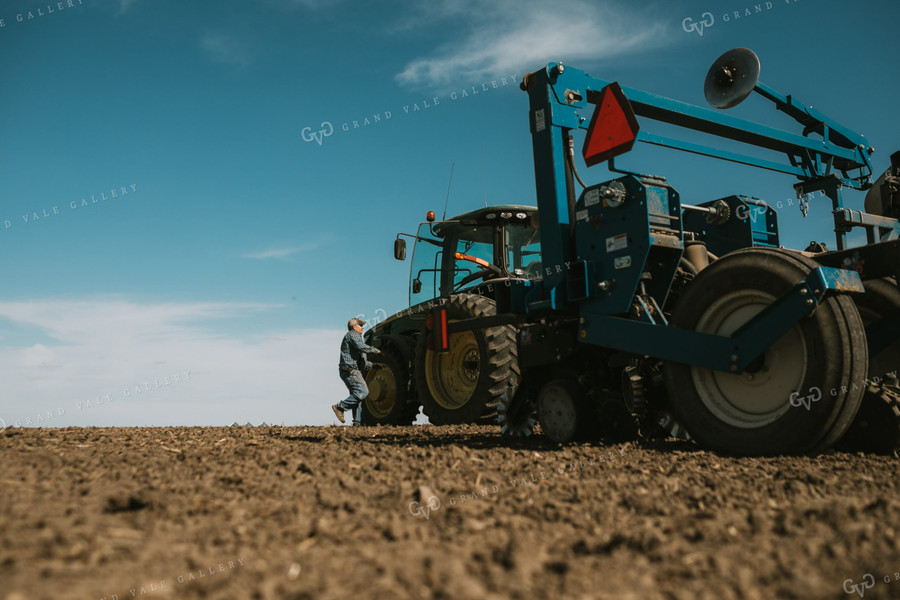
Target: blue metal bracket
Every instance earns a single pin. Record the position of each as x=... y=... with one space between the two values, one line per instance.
x=812 y=120
x=730 y=354
x=878 y=229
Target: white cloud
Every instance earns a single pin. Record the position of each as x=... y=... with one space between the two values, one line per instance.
x=117 y=347
x=514 y=36
x=38 y=355
x=225 y=49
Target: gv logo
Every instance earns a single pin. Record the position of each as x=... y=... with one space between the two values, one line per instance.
x=867 y=583
x=707 y=20
x=743 y=211
x=319 y=136
x=434 y=503
x=379 y=318
x=815 y=394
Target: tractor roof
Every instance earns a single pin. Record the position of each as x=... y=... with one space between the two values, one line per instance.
x=483 y=213
x=490 y=216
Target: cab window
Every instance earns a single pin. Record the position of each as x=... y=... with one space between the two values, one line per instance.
x=472 y=246
x=424 y=279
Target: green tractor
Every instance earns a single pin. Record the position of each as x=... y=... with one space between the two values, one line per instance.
x=467 y=264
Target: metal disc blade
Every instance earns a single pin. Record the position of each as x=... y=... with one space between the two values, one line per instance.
x=731 y=78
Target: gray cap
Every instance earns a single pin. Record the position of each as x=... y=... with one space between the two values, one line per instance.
x=355 y=321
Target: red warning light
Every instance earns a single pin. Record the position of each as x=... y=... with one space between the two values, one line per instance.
x=613 y=127
x=439 y=338
x=429 y=216
x=445 y=345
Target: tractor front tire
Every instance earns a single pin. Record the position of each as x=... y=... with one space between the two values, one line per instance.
x=388 y=383
x=465 y=384
x=819 y=358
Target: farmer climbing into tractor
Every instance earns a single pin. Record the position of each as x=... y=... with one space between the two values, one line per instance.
x=353 y=363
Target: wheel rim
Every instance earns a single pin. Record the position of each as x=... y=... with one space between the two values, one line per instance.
x=558 y=414
x=382 y=392
x=453 y=376
x=750 y=400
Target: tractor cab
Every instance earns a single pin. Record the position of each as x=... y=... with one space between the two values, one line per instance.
x=493 y=244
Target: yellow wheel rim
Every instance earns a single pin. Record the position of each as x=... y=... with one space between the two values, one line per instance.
x=382 y=391
x=453 y=376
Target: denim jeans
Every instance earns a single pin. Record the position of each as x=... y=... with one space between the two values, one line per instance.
x=358 y=391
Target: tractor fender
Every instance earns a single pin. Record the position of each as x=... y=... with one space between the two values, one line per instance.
x=402 y=344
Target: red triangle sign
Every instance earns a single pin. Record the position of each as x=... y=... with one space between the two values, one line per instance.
x=613 y=127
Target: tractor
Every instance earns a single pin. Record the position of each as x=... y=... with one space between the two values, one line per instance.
x=465 y=265
x=615 y=310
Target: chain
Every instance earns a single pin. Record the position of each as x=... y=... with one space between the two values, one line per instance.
x=804 y=204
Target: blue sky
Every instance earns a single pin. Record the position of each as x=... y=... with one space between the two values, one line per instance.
x=243 y=245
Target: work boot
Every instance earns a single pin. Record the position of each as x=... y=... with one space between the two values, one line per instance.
x=338 y=412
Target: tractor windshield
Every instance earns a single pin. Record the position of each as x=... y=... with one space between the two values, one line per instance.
x=465 y=252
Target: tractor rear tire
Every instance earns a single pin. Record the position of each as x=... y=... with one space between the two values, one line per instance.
x=387 y=402
x=466 y=384
x=819 y=358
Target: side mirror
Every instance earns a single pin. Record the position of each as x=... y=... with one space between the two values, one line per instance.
x=400 y=249
x=417 y=286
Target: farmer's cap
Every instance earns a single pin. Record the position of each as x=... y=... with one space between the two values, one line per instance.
x=355 y=321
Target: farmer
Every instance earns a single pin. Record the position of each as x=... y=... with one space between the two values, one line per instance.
x=353 y=362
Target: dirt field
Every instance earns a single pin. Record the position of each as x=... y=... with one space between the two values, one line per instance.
x=432 y=512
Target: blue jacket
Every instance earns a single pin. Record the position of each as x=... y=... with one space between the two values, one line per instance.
x=352 y=348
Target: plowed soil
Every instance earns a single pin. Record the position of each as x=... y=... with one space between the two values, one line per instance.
x=432 y=512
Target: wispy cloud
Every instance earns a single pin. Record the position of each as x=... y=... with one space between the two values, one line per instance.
x=225 y=49
x=512 y=36
x=101 y=346
x=279 y=251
